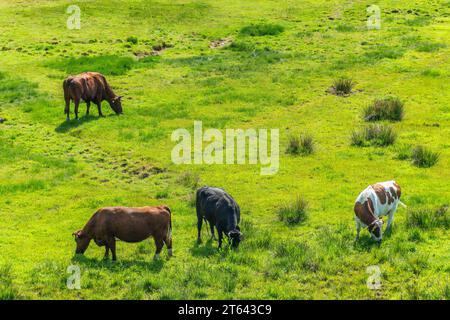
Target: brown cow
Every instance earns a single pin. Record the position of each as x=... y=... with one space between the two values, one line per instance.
x=126 y=224
x=90 y=87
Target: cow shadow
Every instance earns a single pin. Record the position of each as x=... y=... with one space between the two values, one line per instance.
x=66 y=126
x=205 y=249
x=366 y=243
x=154 y=266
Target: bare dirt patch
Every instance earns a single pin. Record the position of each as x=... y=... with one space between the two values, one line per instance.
x=220 y=43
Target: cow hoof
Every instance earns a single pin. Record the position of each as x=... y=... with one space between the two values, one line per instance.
x=170 y=252
x=156 y=257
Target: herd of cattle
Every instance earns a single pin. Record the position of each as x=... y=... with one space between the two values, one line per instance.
x=213 y=205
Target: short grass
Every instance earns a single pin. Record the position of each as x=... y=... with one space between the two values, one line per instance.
x=54 y=175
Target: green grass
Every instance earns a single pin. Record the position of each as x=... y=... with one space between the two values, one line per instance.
x=426 y=218
x=54 y=174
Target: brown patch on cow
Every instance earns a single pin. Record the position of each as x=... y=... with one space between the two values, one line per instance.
x=390 y=197
x=393 y=193
x=365 y=211
x=381 y=194
x=399 y=190
x=219 y=43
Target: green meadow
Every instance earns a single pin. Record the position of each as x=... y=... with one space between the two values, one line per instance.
x=230 y=64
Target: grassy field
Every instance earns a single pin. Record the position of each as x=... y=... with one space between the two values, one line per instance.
x=54 y=174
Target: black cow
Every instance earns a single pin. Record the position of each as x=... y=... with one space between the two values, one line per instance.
x=219 y=209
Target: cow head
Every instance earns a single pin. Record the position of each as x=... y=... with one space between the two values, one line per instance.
x=235 y=237
x=82 y=241
x=116 y=104
x=375 y=229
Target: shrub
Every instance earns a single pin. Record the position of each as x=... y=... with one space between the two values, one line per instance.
x=262 y=29
x=241 y=46
x=132 y=39
x=375 y=134
x=295 y=212
x=304 y=145
x=380 y=135
x=426 y=218
x=189 y=180
x=342 y=86
x=390 y=108
x=423 y=157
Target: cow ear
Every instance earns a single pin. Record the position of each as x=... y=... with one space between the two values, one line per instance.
x=78 y=234
x=119 y=98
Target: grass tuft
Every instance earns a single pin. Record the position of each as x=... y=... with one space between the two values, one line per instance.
x=189 y=180
x=132 y=39
x=343 y=86
x=374 y=134
x=262 y=29
x=389 y=108
x=423 y=157
x=426 y=218
x=295 y=212
x=303 y=145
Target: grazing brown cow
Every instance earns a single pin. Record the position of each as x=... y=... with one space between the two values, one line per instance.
x=126 y=224
x=89 y=87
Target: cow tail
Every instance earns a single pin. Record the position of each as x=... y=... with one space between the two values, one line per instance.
x=402 y=204
x=208 y=225
x=169 y=231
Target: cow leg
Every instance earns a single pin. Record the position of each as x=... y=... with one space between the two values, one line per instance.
x=220 y=237
x=211 y=226
x=111 y=243
x=77 y=103
x=390 y=219
x=199 y=229
x=99 y=107
x=67 y=108
x=106 y=252
x=88 y=106
x=168 y=242
x=358 y=229
x=159 y=245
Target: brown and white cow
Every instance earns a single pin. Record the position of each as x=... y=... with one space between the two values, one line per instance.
x=375 y=201
x=126 y=224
